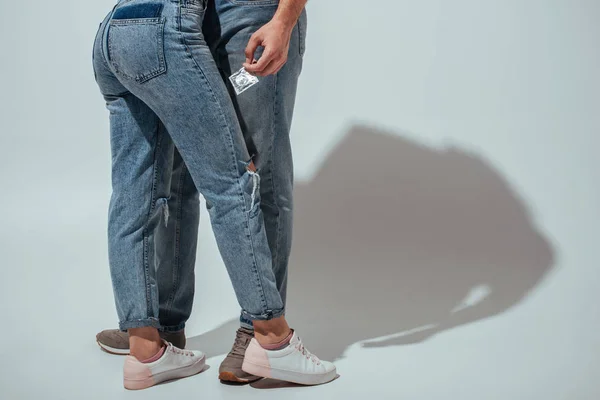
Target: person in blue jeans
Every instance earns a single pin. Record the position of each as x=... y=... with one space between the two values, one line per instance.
x=161 y=66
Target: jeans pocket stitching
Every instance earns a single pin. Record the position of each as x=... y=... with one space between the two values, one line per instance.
x=160 y=25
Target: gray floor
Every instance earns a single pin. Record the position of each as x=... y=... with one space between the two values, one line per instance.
x=446 y=208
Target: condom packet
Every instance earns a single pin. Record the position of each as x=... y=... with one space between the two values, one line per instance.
x=242 y=80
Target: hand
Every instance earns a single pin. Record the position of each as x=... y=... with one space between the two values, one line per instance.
x=275 y=38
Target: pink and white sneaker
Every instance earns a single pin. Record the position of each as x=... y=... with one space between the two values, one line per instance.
x=293 y=363
x=175 y=363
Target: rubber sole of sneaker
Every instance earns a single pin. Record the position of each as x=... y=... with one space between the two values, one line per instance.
x=166 y=376
x=227 y=376
x=288 y=376
x=112 y=350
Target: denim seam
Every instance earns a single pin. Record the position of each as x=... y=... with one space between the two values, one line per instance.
x=137 y=21
x=105 y=32
x=155 y=168
x=177 y=259
x=254 y=3
x=99 y=37
x=234 y=164
x=275 y=200
x=254 y=263
x=301 y=37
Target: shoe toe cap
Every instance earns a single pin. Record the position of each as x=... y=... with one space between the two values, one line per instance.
x=198 y=354
x=328 y=366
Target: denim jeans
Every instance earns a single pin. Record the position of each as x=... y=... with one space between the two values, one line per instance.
x=265 y=114
x=174 y=131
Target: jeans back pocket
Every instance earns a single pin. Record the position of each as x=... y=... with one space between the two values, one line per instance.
x=136 y=42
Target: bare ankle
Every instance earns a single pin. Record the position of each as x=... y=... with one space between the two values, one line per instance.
x=271 y=331
x=144 y=343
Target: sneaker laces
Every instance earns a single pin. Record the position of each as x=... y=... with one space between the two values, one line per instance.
x=177 y=350
x=307 y=354
x=240 y=343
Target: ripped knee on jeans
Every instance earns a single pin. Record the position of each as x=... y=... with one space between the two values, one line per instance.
x=250 y=166
x=255 y=185
x=162 y=204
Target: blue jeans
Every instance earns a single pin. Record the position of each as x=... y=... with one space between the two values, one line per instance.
x=265 y=115
x=174 y=131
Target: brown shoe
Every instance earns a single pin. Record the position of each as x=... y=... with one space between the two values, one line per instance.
x=231 y=367
x=115 y=341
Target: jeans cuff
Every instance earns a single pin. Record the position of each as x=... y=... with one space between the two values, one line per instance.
x=173 y=328
x=265 y=316
x=139 y=323
x=246 y=323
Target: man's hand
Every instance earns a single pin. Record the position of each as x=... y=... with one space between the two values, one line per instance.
x=275 y=38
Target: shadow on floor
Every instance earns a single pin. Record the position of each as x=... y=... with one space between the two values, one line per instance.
x=395 y=242
x=216 y=342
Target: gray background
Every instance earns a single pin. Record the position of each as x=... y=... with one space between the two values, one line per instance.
x=447 y=205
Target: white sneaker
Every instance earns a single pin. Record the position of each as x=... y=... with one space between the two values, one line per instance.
x=293 y=363
x=174 y=364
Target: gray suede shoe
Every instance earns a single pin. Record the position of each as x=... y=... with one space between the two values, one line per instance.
x=115 y=341
x=231 y=367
